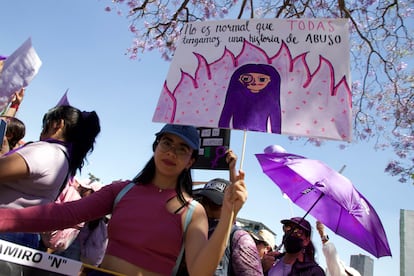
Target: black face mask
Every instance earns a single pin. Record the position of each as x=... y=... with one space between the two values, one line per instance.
x=292 y=244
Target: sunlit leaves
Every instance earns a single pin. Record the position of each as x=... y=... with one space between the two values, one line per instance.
x=381 y=50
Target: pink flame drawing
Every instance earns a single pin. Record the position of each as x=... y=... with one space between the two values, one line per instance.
x=311 y=103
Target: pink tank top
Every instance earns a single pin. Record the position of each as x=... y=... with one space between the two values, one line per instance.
x=143 y=232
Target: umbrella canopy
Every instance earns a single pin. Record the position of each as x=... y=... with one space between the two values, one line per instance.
x=328 y=196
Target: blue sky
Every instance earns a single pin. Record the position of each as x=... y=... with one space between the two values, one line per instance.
x=82 y=48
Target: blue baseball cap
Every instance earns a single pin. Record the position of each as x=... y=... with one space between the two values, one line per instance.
x=188 y=133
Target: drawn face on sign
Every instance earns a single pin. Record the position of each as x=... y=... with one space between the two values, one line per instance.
x=255 y=82
x=253 y=99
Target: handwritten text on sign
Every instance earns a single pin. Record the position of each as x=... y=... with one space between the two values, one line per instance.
x=259 y=33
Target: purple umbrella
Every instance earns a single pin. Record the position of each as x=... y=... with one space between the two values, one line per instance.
x=328 y=196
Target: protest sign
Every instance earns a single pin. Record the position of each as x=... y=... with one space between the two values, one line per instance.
x=285 y=76
x=18 y=71
x=214 y=144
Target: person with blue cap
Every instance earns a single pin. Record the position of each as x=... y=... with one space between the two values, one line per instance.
x=154 y=217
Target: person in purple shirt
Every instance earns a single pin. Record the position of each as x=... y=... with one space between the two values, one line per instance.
x=299 y=256
x=241 y=256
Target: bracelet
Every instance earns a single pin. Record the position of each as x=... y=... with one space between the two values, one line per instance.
x=15 y=106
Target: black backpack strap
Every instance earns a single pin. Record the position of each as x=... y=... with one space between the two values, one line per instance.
x=65 y=181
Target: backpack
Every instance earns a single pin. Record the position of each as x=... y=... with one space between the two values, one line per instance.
x=60 y=240
x=93 y=238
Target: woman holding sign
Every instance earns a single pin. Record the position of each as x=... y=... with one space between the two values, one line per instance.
x=153 y=217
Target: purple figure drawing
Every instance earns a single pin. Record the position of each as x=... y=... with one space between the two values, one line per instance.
x=253 y=99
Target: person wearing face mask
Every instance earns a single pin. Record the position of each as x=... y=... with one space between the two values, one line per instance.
x=299 y=256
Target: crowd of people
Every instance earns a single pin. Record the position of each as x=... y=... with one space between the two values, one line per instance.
x=177 y=230
x=16 y=129
x=164 y=185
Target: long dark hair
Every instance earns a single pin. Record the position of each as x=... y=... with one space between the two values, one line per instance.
x=309 y=249
x=309 y=252
x=79 y=132
x=184 y=181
